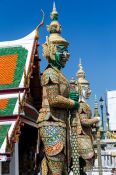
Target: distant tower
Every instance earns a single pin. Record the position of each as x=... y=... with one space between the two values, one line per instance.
x=96 y=110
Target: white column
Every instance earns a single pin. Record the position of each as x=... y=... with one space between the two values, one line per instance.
x=106 y=161
x=0 y=168
x=96 y=163
x=110 y=162
x=115 y=162
x=14 y=163
x=16 y=158
x=103 y=162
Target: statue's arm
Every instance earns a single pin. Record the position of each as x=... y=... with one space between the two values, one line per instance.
x=89 y=122
x=57 y=100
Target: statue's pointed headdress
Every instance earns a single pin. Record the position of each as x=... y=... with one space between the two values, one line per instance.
x=55 y=29
x=81 y=75
x=55 y=37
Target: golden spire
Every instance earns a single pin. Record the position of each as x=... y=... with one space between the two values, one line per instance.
x=81 y=75
x=54 y=13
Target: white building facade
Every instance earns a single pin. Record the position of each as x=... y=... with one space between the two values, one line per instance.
x=111 y=101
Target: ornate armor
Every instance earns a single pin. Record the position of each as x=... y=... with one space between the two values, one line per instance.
x=53 y=118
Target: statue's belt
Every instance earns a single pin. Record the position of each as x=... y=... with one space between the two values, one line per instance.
x=50 y=123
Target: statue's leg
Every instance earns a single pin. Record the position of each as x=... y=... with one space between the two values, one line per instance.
x=89 y=164
x=56 y=164
x=86 y=152
x=54 y=140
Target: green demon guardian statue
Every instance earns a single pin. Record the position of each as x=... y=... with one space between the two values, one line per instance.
x=53 y=116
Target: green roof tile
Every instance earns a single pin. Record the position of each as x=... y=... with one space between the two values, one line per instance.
x=9 y=108
x=3 y=131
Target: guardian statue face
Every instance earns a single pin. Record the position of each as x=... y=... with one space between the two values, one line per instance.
x=57 y=54
x=86 y=91
x=62 y=55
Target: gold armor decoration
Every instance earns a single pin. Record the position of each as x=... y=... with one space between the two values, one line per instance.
x=49 y=49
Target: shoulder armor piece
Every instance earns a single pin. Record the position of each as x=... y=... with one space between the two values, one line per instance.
x=50 y=75
x=84 y=107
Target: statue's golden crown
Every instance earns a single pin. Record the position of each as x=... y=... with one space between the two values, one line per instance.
x=55 y=38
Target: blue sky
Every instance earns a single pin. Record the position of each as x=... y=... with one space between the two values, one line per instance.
x=88 y=25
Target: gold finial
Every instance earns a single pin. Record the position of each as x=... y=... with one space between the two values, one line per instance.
x=41 y=23
x=54 y=13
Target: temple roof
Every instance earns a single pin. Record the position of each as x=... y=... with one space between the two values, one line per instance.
x=15 y=60
x=20 y=88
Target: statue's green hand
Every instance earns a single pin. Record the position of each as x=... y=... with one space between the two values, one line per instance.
x=74 y=96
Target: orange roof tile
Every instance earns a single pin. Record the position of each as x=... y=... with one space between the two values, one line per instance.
x=7 y=68
x=3 y=104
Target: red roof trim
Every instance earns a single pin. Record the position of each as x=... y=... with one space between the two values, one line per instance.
x=8 y=118
x=14 y=117
x=13 y=90
x=8 y=154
